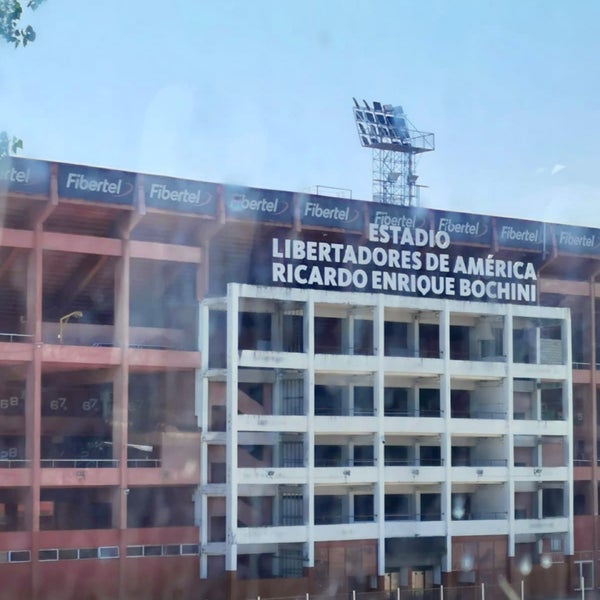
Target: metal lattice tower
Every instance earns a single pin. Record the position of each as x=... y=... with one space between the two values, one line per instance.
x=395 y=144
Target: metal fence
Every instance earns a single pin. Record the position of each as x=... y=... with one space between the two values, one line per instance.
x=472 y=592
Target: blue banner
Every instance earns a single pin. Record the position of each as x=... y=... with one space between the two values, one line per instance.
x=96 y=185
x=463 y=227
x=325 y=211
x=25 y=176
x=250 y=204
x=392 y=215
x=577 y=240
x=181 y=195
x=525 y=235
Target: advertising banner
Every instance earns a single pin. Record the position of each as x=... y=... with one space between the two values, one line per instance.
x=25 y=176
x=398 y=216
x=577 y=240
x=251 y=204
x=463 y=227
x=524 y=235
x=181 y=195
x=336 y=213
x=96 y=185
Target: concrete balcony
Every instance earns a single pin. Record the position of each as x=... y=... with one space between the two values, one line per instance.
x=345 y=475
x=15 y=350
x=478 y=369
x=272 y=535
x=544 y=525
x=415 y=527
x=533 y=371
x=480 y=426
x=540 y=474
x=272 y=475
x=334 y=424
x=15 y=473
x=272 y=423
x=538 y=428
x=415 y=474
x=480 y=474
x=345 y=531
x=481 y=525
x=268 y=359
x=428 y=423
x=70 y=475
x=418 y=366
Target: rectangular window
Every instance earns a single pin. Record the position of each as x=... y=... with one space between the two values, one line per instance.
x=190 y=549
x=293 y=333
x=19 y=556
x=108 y=552
x=291 y=562
x=133 y=551
x=292 y=509
x=152 y=550
x=363 y=401
x=363 y=337
x=429 y=402
x=292 y=397
x=395 y=402
x=44 y=555
x=396 y=339
x=585 y=571
x=292 y=454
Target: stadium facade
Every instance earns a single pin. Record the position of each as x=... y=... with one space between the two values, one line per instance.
x=209 y=389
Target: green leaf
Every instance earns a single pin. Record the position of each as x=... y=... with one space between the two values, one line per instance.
x=16 y=145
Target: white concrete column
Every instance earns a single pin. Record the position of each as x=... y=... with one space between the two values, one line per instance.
x=508 y=387
x=201 y=387
x=568 y=402
x=446 y=437
x=232 y=426
x=379 y=450
x=277 y=328
x=414 y=332
x=309 y=437
x=348 y=336
x=201 y=511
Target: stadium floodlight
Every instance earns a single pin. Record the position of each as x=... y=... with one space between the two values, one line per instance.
x=389 y=128
x=395 y=142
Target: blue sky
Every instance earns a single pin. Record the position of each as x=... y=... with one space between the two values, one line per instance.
x=260 y=93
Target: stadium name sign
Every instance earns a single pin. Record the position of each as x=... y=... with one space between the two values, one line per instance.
x=404 y=261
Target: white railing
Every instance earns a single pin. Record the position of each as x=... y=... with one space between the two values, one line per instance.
x=14 y=337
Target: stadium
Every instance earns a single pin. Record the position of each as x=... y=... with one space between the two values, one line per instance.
x=210 y=389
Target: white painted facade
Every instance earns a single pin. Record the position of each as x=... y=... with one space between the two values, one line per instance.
x=455 y=420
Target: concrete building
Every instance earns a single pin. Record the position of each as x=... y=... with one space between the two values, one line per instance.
x=217 y=390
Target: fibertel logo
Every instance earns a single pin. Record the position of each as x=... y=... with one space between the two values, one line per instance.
x=382 y=217
x=240 y=202
x=14 y=175
x=508 y=233
x=159 y=191
x=476 y=230
x=578 y=239
x=315 y=210
x=79 y=182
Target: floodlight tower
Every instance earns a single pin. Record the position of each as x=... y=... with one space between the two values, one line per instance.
x=395 y=144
